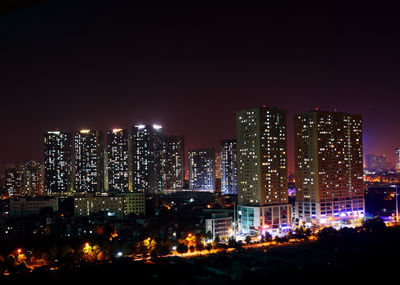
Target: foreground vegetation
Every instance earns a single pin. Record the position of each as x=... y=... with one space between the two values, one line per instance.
x=340 y=256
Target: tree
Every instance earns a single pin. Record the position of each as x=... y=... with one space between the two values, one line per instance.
x=182 y=248
x=232 y=243
x=327 y=233
x=217 y=240
x=199 y=242
x=375 y=225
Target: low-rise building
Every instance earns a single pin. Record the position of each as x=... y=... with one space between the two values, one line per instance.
x=219 y=224
x=25 y=206
x=254 y=219
x=118 y=205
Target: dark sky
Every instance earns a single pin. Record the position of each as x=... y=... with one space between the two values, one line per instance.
x=190 y=67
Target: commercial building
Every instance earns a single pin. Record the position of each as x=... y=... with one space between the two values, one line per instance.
x=201 y=169
x=58 y=162
x=25 y=206
x=115 y=205
x=275 y=219
x=88 y=161
x=228 y=166
x=174 y=162
x=117 y=161
x=147 y=158
x=329 y=167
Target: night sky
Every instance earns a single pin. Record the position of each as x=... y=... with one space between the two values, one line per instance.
x=190 y=67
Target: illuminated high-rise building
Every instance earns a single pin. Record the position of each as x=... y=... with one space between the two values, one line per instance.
x=147 y=158
x=397 y=153
x=201 y=169
x=88 y=161
x=262 y=156
x=228 y=167
x=329 y=167
x=58 y=162
x=117 y=161
x=262 y=170
x=217 y=164
x=174 y=166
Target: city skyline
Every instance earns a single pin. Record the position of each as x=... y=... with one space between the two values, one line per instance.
x=70 y=70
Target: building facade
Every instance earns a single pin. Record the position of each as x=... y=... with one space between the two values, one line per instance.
x=228 y=167
x=174 y=162
x=115 y=205
x=88 y=161
x=117 y=161
x=26 y=206
x=397 y=154
x=253 y=220
x=219 y=224
x=147 y=158
x=262 y=168
x=262 y=157
x=201 y=169
x=329 y=167
x=25 y=179
x=58 y=162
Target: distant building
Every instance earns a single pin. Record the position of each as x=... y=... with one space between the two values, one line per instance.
x=397 y=153
x=58 y=162
x=375 y=162
x=147 y=158
x=329 y=167
x=25 y=179
x=174 y=162
x=117 y=162
x=119 y=204
x=219 y=224
x=26 y=206
x=228 y=167
x=88 y=161
x=218 y=166
x=201 y=169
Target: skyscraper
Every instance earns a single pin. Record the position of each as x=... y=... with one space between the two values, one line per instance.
x=117 y=161
x=228 y=167
x=174 y=157
x=88 y=161
x=58 y=162
x=262 y=157
x=329 y=166
x=147 y=158
x=262 y=169
x=201 y=169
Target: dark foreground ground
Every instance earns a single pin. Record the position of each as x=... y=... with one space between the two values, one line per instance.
x=344 y=258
